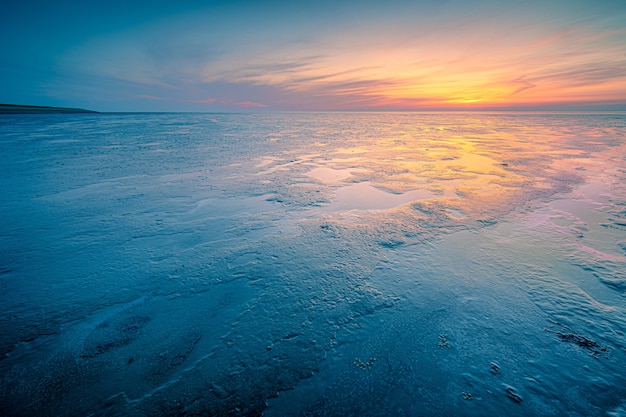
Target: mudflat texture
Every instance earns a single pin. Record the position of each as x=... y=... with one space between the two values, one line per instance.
x=313 y=265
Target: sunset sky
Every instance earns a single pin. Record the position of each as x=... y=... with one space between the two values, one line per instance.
x=316 y=55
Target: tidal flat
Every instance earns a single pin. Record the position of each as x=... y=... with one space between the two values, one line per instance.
x=313 y=264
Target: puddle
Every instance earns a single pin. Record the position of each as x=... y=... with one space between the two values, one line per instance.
x=329 y=175
x=364 y=196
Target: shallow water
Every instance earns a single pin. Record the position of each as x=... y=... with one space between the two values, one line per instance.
x=313 y=264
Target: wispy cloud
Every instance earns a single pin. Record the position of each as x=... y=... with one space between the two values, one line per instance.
x=523 y=85
x=249 y=105
x=411 y=55
x=586 y=74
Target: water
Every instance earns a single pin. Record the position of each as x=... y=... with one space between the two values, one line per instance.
x=313 y=264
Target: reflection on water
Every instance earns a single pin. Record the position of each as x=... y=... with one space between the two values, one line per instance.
x=363 y=196
x=480 y=165
x=330 y=175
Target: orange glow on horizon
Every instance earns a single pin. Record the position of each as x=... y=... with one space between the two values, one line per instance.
x=404 y=62
x=554 y=69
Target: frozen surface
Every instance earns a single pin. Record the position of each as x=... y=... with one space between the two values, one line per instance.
x=313 y=265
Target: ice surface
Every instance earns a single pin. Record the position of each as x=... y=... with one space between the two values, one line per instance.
x=313 y=264
x=329 y=175
x=364 y=196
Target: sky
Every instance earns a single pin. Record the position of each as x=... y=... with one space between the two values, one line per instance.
x=321 y=55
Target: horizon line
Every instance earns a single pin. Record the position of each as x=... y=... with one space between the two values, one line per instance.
x=39 y=109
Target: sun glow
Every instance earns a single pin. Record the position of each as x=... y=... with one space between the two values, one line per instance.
x=422 y=58
x=481 y=71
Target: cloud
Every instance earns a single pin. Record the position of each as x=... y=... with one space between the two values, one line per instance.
x=524 y=85
x=396 y=57
x=586 y=74
x=209 y=100
x=249 y=105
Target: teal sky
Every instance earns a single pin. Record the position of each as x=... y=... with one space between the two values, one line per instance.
x=323 y=55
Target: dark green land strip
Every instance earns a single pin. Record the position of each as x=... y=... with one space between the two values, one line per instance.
x=20 y=109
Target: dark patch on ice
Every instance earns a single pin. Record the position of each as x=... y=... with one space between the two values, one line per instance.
x=330 y=230
x=467 y=396
x=593 y=347
x=620 y=223
x=365 y=365
x=291 y=336
x=275 y=199
x=582 y=341
x=391 y=244
x=443 y=342
x=422 y=208
x=494 y=368
x=487 y=222
x=112 y=334
x=512 y=394
x=612 y=281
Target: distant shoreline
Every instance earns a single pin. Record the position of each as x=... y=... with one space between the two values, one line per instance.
x=28 y=109
x=23 y=109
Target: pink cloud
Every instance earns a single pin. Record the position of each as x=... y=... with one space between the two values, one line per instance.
x=249 y=104
x=209 y=100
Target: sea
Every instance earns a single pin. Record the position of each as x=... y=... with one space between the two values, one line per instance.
x=313 y=264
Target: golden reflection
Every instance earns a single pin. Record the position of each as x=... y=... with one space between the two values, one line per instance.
x=469 y=168
x=420 y=172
